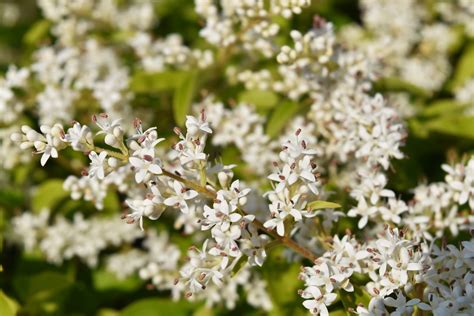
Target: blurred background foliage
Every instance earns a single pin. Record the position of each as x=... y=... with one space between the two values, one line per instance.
x=439 y=132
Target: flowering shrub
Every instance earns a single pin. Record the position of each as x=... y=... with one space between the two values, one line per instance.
x=197 y=158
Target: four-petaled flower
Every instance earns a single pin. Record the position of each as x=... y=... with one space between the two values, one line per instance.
x=96 y=168
x=180 y=196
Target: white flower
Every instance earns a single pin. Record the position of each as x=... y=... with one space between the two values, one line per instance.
x=285 y=178
x=278 y=221
x=221 y=215
x=317 y=302
x=188 y=155
x=227 y=240
x=295 y=148
x=80 y=137
x=324 y=275
x=96 y=168
x=402 y=307
x=48 y=144
x=142 y=208
x=194 y=125
x=112 y=129
x=363 y=210
x=180 y=196
x=236 y=195
x=143 y=166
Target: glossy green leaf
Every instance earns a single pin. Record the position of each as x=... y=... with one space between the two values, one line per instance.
x=157 y=307
x=48 y=195
x=183 y=97
x=317 y=205
x=259 y=98
x=146 y=82
x=280 y=116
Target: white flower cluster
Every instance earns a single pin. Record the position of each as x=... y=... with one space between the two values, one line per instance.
x=398 y=268
x=250 y=22
x=408 y=40
x=156 y=55
x=437 y=206
x=295 y=183
x=64 y=239
x=157 y=261
x=75 y=19
x=465 y=96
x=10 y=105
x=458 y=12
x=352 y=134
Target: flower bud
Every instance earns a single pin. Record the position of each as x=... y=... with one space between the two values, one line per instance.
x=118 y=132
x=16 y=137
x=39 y=146
x=110 y=140
x=113 y=162
x=223 y=179
x=32 y=135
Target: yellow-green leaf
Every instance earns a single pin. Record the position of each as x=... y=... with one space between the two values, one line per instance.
x=37 y=32
x=259 y=98
x=280 y=116
x=397 y=84
x=183 y=97
x=8 y=307
x=459 y=126
x=156 y=307
x=443 y=107
x=146 y=82
x=317 y=205
x=464 y=68
x=48 y=195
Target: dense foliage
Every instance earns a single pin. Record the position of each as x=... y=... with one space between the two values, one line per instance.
x=255 y=157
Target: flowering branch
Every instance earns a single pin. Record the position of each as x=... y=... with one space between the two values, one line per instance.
x=287 y=241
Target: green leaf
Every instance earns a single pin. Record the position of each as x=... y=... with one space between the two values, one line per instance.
x=205 y=311
x=156 y=307
x=48 y=195
x=259 y=98
x=351 y=299
x=10 y=198
x=464 y=68
x=443 y=107
x=183 y=96
x=107 y=312
x=8 y=307
x=112 y=202
x=283 y=284
x=37 y=32
x=104 y=280
x=339 y=312
x=396 y=84
x=317 y=205
x=459 y=126
x=280 y=116
x=145 y=82
x=47 y=285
